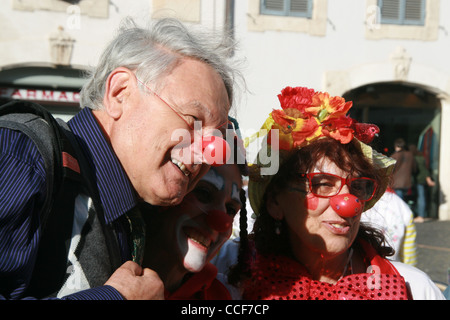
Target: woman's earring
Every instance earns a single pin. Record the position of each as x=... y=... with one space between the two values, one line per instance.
x=277 y=227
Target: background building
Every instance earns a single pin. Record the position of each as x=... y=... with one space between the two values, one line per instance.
x=390 y=57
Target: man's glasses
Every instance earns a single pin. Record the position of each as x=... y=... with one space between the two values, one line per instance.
x=168 y=105
x=215 y=150
x=326 y=185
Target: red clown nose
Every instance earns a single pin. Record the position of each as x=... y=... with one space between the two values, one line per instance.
x=216 y=151
x=219 y=220
x=346 y=205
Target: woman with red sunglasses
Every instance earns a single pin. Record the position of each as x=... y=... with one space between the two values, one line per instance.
x=308 y=242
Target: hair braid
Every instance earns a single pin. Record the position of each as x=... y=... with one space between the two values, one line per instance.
x=241 y=270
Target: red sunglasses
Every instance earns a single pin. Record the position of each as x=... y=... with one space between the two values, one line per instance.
x=326 y=185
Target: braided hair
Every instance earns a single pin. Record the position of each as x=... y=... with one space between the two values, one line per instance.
x=241 y=269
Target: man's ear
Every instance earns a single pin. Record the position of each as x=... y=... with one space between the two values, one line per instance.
x=117 y=89
x=274 y=208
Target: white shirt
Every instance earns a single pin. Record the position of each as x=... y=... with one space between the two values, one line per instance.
x=393 y=217
x=418 y=282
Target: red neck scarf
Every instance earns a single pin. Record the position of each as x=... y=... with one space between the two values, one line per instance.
x=201 y=286
x=281 y=278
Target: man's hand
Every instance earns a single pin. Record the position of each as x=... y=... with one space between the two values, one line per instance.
x=135 y=283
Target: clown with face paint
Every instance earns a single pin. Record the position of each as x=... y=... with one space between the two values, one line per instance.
x=181 y=240
x=307 y=241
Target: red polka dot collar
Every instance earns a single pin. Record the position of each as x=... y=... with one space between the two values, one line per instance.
x=281 y=278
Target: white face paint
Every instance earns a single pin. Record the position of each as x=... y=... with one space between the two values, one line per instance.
x=235 y=190
x=192 y=245
x=213 y=177
x=195 y=258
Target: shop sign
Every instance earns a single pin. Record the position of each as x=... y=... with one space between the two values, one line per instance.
x=40 y=95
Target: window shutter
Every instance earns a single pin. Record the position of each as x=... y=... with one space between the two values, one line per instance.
x=273 y=7
x=299 y=6
x=414 y=10
x=403 y=12
x=277 y=5
x=390 y=10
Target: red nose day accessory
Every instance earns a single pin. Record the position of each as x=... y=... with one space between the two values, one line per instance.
x=216 y=151
x=346 y=205
x=327 y=185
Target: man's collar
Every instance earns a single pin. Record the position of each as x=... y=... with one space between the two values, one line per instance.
x=116 y=193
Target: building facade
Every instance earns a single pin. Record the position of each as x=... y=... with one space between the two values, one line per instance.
x=388 y=56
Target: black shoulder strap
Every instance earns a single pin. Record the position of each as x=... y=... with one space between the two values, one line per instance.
x=68 y=173
x=30 y=119
x=61 y=165
x=41 y=127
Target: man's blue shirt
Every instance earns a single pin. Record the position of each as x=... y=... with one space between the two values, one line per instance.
x=22 y=193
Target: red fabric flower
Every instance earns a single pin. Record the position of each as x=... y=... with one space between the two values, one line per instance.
x=307 y=115
x=296 y=98
x=339 y=129
x=310 y=130
x=282 y=120
x=335 y=106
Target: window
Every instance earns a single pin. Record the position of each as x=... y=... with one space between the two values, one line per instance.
x=305 y=16
x=402 y=12
x=296 y=8
x=403 y=19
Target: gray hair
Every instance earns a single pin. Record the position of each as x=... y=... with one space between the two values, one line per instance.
x=154 y=52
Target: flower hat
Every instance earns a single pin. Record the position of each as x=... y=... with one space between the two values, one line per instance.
x=305 y=116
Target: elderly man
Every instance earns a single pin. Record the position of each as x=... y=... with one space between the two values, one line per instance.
x=147 y=84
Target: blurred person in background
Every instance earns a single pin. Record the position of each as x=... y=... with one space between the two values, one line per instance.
x=405 y=167
x=422 y=182
x=394 y=218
